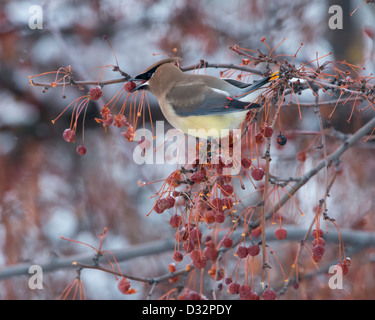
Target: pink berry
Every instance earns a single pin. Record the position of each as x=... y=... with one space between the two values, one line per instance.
x=227 y=243
x=175 y=221
x=129 y=86
x=227 y=190
x=253 y=250
x=318 y=250
x=257 y=174
x=234 y=288
x=210 y=253
x=81 y=150
x=96 y=93
x=69 y=135
x=280 y=233
x=267 y=131
x=269 y=294
x=319 y=241
x=317 y=233
x=241 y=252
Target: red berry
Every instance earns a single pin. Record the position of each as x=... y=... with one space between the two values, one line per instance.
x=259 y=138
x=317 y=233
x=219 y=217
x=227 y=242
x=178 y=256
x=195 y=235
x=234 y=288
x=200 y=263
x=210 y=253
x=257 y=174
x=255 y=233
x=81 y=150
x=241 y=252
x=129 y=86
x=318 y=250
x=188 y=246
x=280 y=233
x=267 y=131
x=217 y=204
x=198 y=176
x=69 y=135
x=319 y=241
x=245 y=292
x=209 y=215
x=253 y=250
x=175 y=221
x=96 y=93
x=269 y=294
x=301 y=156
x=227 y=190
x=254 y=296
x=246 y=163
x=344 y=268
x=228 y=281
x=123 y=286
x=195 y=255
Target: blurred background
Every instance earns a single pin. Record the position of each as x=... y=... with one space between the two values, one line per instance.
x=48 y=190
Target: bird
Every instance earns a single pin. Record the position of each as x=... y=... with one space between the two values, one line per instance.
x=200 y=105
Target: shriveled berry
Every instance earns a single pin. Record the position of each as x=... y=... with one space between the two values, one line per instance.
x=69 y=135
x=198 y=176
x=259 y=138
x=280 y=233
x=257 y=174
x=123 y=286
x=253 y=250
x=227 y=190
x=281 y=140
x=319 y=241
x=301 y=156
x=228 y=281
x=96 y=93
x=242 y=252
x=175 y=221
x=195 y=235
x=178 y=256
x=195 y=255
x=188 y=246
x=344 y=268
x=269 y=294
x=234 y=288
x=200 y=263
x=120 y=121
x=267 y=131
x=81 y=150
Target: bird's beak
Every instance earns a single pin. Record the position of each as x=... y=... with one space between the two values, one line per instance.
x=142 y=84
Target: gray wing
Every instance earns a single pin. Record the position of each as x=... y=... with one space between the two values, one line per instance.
x=197 y=99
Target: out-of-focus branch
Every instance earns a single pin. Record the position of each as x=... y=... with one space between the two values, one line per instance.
x=362 y=239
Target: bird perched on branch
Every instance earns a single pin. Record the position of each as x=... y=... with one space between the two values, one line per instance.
x=200 y=105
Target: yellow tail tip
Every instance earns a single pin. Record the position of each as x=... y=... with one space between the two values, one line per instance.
x=274 y=75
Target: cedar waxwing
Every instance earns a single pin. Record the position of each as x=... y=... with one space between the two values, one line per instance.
x=191 y=101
